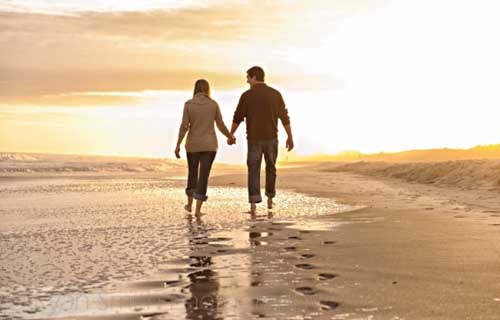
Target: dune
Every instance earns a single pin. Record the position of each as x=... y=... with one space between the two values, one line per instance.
x=424 y=155
x=464 y=174
x=477 y=167
x=16 y=157
x=27 y=163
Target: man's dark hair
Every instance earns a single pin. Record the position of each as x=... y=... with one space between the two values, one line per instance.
x=256 y=72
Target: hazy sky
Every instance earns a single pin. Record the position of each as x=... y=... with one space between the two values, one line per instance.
x=79 y=76
x=158 y=45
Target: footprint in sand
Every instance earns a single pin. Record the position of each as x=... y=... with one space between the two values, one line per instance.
x=290 y=248
x=307 y=255
x=172 y=282
x=328 y=242
x=222 y=239
x=327 y=276
x=294 y=238
x=328 y=305
x=305 y=266
x=308 y=291
x=258 y=314
x=255 y=283
x=199 y=243
x=257 y=302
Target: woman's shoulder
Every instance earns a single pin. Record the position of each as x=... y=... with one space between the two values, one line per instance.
x=210 y=102
x=213 y=101
x=202 y=99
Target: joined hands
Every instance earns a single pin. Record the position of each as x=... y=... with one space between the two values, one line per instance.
x=231 y=140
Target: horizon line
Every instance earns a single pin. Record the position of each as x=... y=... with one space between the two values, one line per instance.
x=340 y=153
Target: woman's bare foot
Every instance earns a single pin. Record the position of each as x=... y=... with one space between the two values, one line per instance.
x=189 y=206
x=199 y=204
x=270 y=203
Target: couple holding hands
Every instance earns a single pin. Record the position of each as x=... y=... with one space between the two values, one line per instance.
x=261 y=106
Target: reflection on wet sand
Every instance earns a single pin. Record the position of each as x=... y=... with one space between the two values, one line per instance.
x=204 y=285
x=266 y=270
x=253 y=273
x=246 y=273
x=255 y=237
x=148 y=263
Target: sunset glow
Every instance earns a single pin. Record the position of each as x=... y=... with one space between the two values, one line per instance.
x=105 y=78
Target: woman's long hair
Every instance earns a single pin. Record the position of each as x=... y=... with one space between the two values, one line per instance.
x=201 y=86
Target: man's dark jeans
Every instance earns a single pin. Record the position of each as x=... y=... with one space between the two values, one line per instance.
x=256 y=149
x=200 y=164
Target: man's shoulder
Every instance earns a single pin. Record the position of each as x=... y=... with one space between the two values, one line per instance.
x=265 y=89
x=275 y=91
x=261 y=88
x=246 y=93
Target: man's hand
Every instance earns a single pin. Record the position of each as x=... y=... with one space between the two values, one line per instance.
x=231 y=140
x=289 y=144
x=289 y=141
x=178 y=152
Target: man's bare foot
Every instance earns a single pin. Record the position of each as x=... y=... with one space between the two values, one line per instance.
x=253 y=208
x=270 y=203
x=188 y=208
x=199 y=214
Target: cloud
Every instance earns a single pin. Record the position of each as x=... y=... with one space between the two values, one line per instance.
x=75 y=99
x=42 y=53
x=109 y=50
x=67 y=7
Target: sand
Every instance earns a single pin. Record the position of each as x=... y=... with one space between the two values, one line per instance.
x=415 y=252
x=339 y=245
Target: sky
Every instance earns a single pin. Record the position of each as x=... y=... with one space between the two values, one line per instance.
x=111 y=77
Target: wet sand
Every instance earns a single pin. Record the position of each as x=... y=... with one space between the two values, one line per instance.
x=338 y=246
x=415 y=252
x=121 y=246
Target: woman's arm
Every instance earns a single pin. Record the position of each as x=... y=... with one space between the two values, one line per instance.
x=182 y=131
x=221 y=126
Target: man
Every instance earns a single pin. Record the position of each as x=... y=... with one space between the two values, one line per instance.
x=262 y=106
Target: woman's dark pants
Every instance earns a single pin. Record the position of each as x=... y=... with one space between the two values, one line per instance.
x=199 y=164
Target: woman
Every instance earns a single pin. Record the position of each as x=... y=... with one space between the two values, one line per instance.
x=200 y=114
